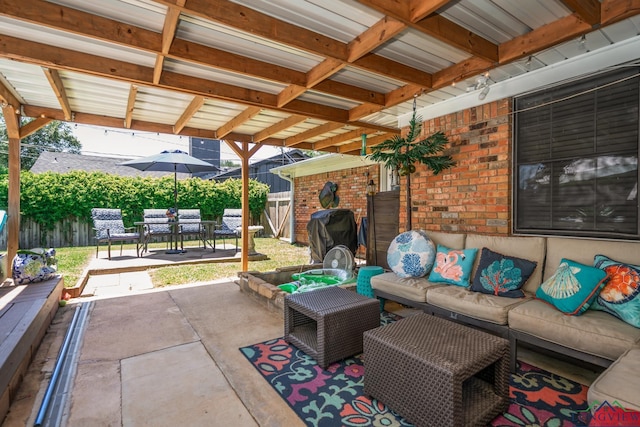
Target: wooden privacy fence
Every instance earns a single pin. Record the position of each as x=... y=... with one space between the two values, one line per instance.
x=275 y=218
x=73 y=232
x=70 y=232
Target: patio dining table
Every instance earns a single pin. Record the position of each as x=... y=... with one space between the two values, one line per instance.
x=175 y=227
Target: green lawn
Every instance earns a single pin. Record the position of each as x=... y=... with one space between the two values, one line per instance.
x=73 y=261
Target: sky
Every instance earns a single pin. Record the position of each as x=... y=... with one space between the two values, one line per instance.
x=110 y=142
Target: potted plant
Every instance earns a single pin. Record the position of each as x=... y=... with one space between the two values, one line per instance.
x=401 y=153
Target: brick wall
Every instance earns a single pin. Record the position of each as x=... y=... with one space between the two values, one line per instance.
x=474 y=196
x=352 y=185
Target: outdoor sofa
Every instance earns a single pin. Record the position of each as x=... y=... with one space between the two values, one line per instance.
x=594 y=336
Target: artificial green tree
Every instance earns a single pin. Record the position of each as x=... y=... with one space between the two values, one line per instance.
x=402 y=153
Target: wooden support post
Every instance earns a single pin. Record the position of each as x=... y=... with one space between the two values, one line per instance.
x=245 y=154
x=12 y=120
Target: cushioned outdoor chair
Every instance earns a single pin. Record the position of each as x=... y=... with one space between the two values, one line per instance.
x=190 y=225
x=231 y=221
x=108 y=225
x=156 y=224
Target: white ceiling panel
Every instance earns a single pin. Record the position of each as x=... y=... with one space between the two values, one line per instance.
x=74 y=42
x=245 y=44
x=221 y=76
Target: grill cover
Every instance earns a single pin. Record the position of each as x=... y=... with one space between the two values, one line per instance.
x=329 y=228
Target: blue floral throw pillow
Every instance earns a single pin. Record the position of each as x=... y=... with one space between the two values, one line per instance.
x=501 y=275
x=411 y=254
x=453 y=266
x=573 y=287
x=621 y=295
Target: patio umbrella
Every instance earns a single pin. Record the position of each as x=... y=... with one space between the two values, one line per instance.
x=171 y=161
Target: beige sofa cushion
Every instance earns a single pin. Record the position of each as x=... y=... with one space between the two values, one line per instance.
x=412 y=288
x=619 y=382
x=529 y=248
x=450 y=240
x=594 y=332
x=583 y=251
x=486 y=307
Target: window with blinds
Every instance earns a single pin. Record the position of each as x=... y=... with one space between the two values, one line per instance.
x=576 y=158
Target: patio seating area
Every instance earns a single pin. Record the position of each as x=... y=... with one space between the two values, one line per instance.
x=147 y=364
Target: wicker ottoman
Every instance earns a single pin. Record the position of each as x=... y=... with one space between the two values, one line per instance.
x=328 y=323
x=435 y=372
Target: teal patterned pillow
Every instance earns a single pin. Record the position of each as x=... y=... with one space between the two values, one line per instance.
x=621 y=295
x=411 y=254
x=501 y=275
x=453 y=266
x=573 y=287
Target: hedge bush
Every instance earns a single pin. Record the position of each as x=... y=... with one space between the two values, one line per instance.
x=48 y=198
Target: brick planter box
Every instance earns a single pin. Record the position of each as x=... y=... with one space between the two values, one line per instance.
x=263 y=287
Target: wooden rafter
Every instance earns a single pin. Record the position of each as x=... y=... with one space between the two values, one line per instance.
x=116 y=122
x=337 y=139
x=194 y=106
x=245 y=115
x=543 y=37
x=378 y=34
x=589 y=10
x=355 y=147
x=58 y=88
x=34 y=126
x=7 y=97
x=278 y=127
x=168 y=33
x=163 y=45
x=417 y=14
x=131 y=104
x=311 y=133
x=23 y=50
x=243 y=18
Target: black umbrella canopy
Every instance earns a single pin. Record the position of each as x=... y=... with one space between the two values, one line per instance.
x=171 y=161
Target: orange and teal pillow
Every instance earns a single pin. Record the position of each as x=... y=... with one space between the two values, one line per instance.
x=501 y=275
x=573 y=287
x=621 y=295
x=453 y=266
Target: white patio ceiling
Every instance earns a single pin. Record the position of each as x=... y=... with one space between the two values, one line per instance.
x=310 y=74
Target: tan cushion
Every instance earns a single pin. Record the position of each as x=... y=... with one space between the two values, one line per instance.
x=619 y=382
x=450 y=240
x=486 y=307
x=583 y=251
x=413 y=288
x=594 y=332
x=529 y=248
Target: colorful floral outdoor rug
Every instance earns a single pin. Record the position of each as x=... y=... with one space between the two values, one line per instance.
x=334 y=397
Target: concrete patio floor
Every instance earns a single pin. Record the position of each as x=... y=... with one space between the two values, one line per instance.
x=163 y=358
x=167 y=357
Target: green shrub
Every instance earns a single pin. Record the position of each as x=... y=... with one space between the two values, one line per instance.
x=49 y=198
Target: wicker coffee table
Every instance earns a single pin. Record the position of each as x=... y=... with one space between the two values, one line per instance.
x=435 y=372
x=328 y=323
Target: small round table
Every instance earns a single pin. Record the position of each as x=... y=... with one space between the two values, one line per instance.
x=363 y=283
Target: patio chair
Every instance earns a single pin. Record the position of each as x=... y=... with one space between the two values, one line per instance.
x=156 y=224
x=231 y=221
x=191 y=225
x=108 y=225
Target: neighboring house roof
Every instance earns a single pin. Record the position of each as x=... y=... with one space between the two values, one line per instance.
x=287 y=158
x=68 y=162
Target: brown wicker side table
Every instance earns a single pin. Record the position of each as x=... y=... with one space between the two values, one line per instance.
x=435 y=372
x=328 y=323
